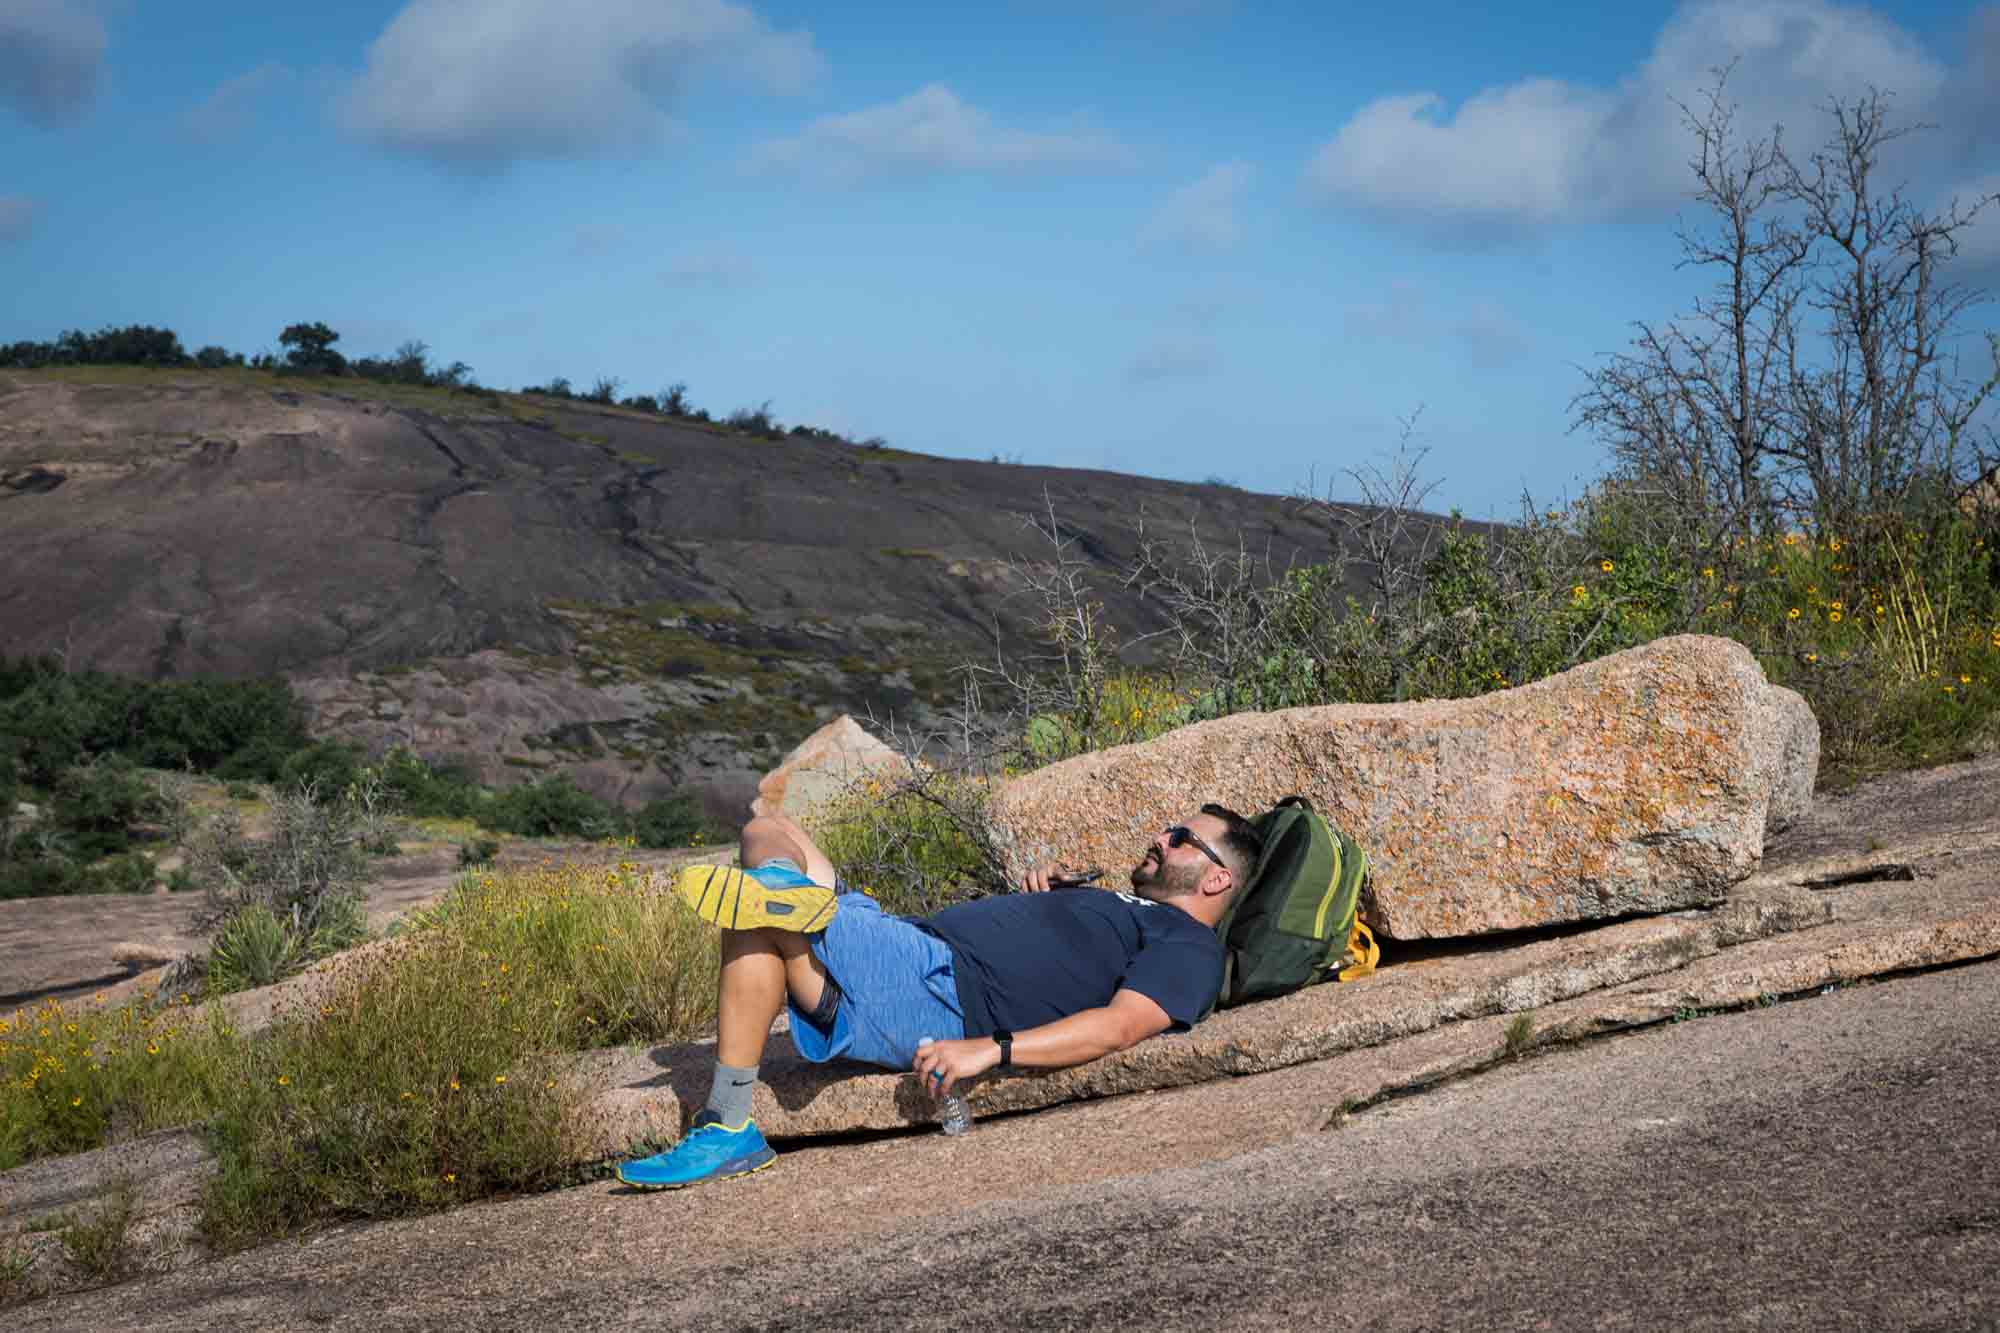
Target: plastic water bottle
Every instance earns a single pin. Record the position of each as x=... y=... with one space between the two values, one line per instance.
x=954 y=1115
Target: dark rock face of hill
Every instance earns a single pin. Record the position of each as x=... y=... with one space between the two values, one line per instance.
x=524 y=583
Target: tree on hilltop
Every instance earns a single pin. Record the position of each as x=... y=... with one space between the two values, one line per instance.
x=310 y=348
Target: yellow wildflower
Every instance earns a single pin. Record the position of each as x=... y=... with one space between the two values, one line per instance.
x=284 y=1080
x=1833 y=616
x=1792 y=614
x=1606 y=566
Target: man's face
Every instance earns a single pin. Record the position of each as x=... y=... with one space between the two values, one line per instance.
x=1176 y=872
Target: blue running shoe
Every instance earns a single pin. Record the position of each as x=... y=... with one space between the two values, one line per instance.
x=711 y=1151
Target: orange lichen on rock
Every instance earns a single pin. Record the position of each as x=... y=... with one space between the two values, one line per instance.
x=1642 y=782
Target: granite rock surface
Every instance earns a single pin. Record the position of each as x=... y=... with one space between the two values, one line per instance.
x=1642 y=782
x=821 y=766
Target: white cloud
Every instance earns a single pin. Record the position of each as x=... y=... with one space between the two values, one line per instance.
x=484 y=83
x=1543 y=150
x=1201 y=216
x=713 y=268
x=50 y=53
x=232 y=107
x=17 y=217
x=932 y=130
x=1173 y=356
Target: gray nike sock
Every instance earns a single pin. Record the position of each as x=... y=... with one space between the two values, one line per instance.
x=729 y=1095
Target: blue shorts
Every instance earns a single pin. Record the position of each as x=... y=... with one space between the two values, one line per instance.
x=896 y=981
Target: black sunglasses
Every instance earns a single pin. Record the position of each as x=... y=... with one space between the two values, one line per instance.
x=1181 y=833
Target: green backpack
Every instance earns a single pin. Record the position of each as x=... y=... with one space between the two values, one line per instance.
x=1294 y=922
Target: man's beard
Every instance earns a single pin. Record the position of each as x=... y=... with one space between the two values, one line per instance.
x=1158 y=882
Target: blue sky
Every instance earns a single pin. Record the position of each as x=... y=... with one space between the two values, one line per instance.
x=1186 y=238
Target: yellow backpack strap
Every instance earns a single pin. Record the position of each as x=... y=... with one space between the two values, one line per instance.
x=1362 y=951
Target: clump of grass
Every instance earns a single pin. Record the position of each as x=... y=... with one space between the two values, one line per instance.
x=430 y=1070
x=100 y=1244
x=435 y=1071
x=16 y=1261
x=252 y=948
x=1519 y=1036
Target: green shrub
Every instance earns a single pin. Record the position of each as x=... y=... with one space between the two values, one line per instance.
x=915 y=846
x=251 y=948
x=36 y=876
x=97 y=804
x=131 y=872
x=670 y=821
x=478 y=852
x=309 y=872
x=551 y=807
x=425 y=790
x=55 y=719
x=327 y=765
x=243 y=791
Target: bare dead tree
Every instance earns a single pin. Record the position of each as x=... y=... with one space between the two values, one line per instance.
x=1386 y=528
x=1217 y=604
x=1875 y=412
x=1692 y=412
x=1739 y=416
x=1076 y=644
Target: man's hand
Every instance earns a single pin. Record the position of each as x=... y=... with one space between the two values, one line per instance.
x=942 y=1065
x=1043 y=878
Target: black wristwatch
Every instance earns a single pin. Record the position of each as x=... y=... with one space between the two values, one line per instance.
x=1006 y=1040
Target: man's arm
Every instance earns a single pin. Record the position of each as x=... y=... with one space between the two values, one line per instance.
x=1077 y=1039
x=1040 y=879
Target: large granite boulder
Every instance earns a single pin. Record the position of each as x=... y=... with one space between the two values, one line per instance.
x=822 y=765
x=1641 y=782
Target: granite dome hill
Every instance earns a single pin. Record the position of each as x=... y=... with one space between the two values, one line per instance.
x=529 y=583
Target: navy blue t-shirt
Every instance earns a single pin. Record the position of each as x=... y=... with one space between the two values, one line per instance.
x=1025 y=959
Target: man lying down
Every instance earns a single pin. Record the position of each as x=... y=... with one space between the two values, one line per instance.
x=1056 y=975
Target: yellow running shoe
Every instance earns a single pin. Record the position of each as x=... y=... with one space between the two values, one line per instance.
x=768 y=896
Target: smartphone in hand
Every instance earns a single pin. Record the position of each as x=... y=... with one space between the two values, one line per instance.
x=1075 y=881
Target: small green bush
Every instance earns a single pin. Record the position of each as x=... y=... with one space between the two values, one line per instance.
x=551 y=807
x=309 y=873
x=36 y=876
x=670 y=821
x=328 y=766
x=97 y=803
x=915 y=846
x=478 y=851
x=422 y=789
x=131 y=872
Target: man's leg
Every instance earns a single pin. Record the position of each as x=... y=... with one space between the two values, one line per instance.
x=760 y=967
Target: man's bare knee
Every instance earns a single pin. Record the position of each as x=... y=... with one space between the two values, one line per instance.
x=768 y=836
